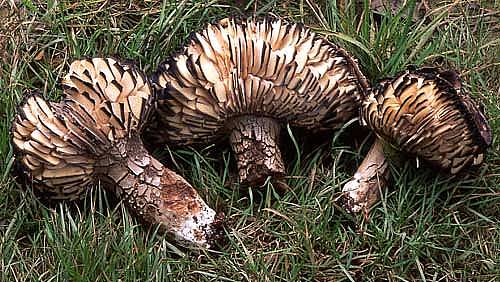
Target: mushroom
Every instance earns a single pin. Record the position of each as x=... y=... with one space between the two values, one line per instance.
x=421 y=112
x=94 y=135
x=242 y=80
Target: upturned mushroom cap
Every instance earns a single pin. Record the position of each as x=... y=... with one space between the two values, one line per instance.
x=259 y=68
x=40 y=134
x=92 y=135
x=422 y=112
x=266 y=68
x=425 y=112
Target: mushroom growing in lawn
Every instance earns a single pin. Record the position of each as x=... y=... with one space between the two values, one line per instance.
x=93 y=134
x=424 y=113
x=243 y=80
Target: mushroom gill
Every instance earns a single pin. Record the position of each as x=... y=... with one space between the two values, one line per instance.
x=423 y=113
x=93 y=135
x=242 y=80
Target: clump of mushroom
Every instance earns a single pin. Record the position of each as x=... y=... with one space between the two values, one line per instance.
x=424 y=113
x=243 y=80
x=94 y=135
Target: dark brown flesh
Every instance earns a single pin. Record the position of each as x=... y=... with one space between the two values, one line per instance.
x=143 y=182
x=157 y=194
x=254 y=141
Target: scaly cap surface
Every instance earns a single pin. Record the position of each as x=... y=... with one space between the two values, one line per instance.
x=265 y=67
x=425 y=112
x=93 y=134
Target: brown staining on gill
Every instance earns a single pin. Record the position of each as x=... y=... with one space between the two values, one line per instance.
x=73 y=139
x=112 y=96
x=425 y=113
x=93 y=134
x=63 y=146
x=41 y=135
x=266 y=68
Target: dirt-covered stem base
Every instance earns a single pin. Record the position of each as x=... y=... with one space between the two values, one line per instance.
x=158 y=195
x=362 y=191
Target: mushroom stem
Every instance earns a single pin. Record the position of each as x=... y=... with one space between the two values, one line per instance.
x=159 y=195
x=94 y=134
x=255 y=142
x=362 y=191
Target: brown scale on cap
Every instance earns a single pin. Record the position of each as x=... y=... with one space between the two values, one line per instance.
x=422 y=113
x=93 y=134
x=243 y=80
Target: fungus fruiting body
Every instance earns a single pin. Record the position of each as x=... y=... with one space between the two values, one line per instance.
x=243 y=80
x=423 y=113
x=93 y=135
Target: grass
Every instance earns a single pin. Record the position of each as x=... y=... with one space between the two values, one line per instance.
x=427 y=227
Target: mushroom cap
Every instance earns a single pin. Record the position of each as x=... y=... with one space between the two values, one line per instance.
x=264 y=67
x=59 y=145
x=113 y=93
x=40 y=134
x=425 y=112
x=94 y=133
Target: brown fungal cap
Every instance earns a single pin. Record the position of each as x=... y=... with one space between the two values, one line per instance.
x=93 y=134
x=57 y=167
x=60 y=144
x=266 y=68
x=424 y=112
x=115 y=94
